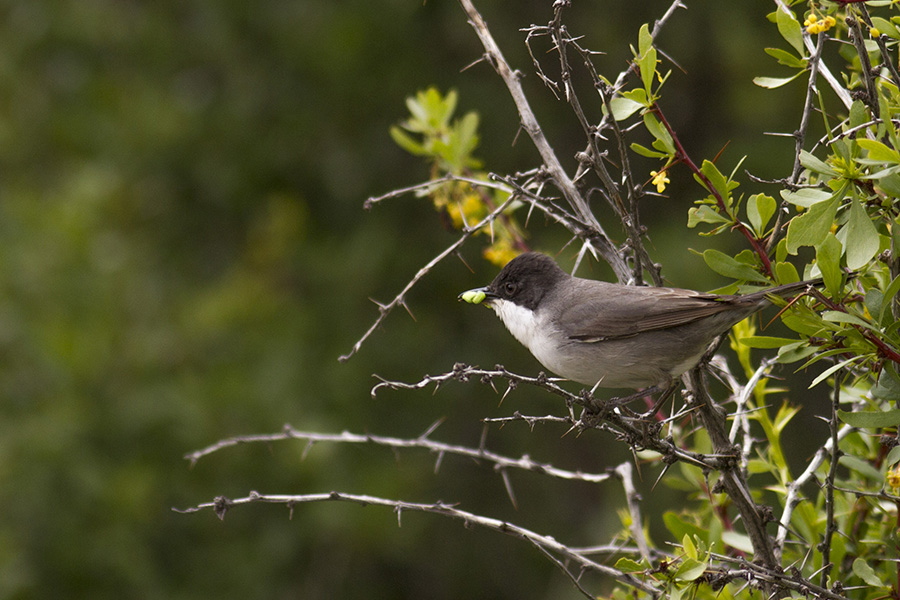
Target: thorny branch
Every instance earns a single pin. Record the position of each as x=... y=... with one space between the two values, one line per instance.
x=423 y=441
x=221 y=505
x=400 y=299
x=732 y=446
x=639 y=431
x=732 y=478
x=600 y=242
x=830 y=524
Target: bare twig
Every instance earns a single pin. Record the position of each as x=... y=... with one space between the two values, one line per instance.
x=793 y=489
x=830 y=525
x=732 y=478
x=429 y=185
x=836 y=86
x=222 y=505
x=625 y=473
x=881 y=40
x=400 y=299
x=423 y=441
x=600 y=241
x=638 y=432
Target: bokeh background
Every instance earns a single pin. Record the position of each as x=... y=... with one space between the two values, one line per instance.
x=184 y=255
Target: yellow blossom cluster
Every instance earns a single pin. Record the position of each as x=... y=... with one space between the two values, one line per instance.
x=814 y=24
x=501 y=252
x=893 y=477
x=466 y=211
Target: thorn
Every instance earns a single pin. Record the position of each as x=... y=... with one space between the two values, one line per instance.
x=381 y=307
x=306 y=449
x=431 y=428
x=463 y=261
x=509 y=490
x=509 y=388
x=404 y=305
x=658 y=479
x=473 y=63
x=637 y=464
x=437 y=463
x=716 y=158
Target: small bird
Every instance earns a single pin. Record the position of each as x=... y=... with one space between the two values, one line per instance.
x=611 y=335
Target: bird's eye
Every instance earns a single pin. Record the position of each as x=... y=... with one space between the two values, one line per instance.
x=510 y=288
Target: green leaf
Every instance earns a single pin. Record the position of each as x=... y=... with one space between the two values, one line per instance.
x=637 y=95
x=832 y=369
x=679 y=527
x=806 y=197
x=626 y=565
x=725 y=265
x=405 y=141
x=862 y=570
x=836 y=316
x=893 y=456
x=870 y=419
x=861 y=240
x=786 y=272
x=738 y=541
x=645 y=40
x=648 y=69
x=715 y=177
x=643 y=151
x=874 y=303
x=688 y=545
x=862 y=467
x=810 y=228
x=886 y=27
x=760 y=209
x=705 y=214
x=828 y=260
x=690 y=569
x=889 y=294
x=890 y=184
x=659 y=132
x=878 y=151
x=647 y=57
x=859 y=114
x=794 y=352
x=762 y=341
x=816 y=165
x=790 y=29
x=786 y=58
x=622 y=107
x=775 y=82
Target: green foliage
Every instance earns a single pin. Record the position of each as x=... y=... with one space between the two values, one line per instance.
x=449 y=146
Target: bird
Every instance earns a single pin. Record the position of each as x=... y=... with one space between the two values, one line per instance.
x=612 y=335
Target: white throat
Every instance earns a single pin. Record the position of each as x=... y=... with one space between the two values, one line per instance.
x=520 y=321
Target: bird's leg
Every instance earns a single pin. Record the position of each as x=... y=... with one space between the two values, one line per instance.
x=645 y=393
x=663 y=397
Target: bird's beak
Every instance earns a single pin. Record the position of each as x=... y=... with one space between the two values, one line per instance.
x=477 y=296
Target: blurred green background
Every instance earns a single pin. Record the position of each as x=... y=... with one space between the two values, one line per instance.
x=184 y=255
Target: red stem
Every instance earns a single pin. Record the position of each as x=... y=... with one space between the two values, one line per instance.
x=682 y=156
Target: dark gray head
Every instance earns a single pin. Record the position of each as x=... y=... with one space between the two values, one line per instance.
x=525 y=280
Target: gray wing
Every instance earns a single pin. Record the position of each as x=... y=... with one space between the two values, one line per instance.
x=618 y=311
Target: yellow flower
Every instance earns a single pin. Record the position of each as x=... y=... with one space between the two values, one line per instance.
x=893 y=476
x=466 y=211
x=815 y=25
x=501 y=252
x=660 y=180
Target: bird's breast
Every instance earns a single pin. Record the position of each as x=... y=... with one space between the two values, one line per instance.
x=533 y=330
